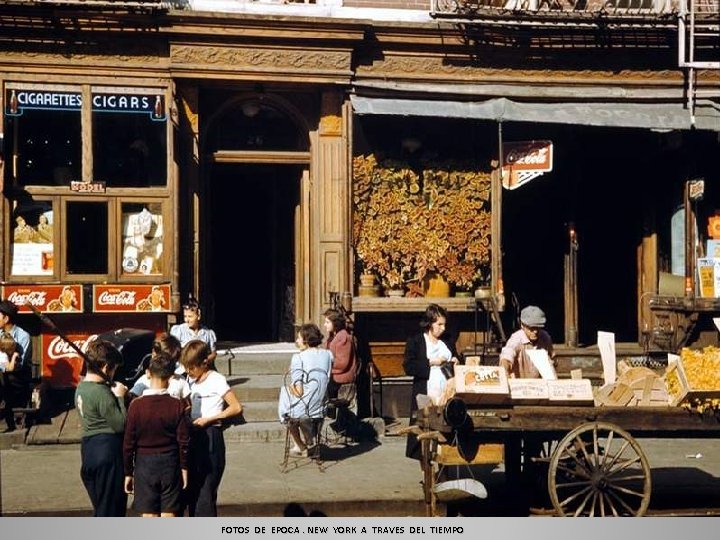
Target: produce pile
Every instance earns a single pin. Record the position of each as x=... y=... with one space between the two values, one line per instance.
x=701 y=372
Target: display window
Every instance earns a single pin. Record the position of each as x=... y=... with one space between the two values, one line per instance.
x=43 y=136
x=86 y=243
x=142 y=239
x=129 y=139
x=86 y=182
x=33 y=239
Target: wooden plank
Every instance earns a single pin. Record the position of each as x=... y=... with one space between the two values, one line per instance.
x=497 y=423
x=490 y=453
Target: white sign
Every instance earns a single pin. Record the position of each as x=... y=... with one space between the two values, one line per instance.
x=606 y=345
x=541 y=361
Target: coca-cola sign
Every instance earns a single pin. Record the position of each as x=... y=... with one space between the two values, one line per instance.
x=45 y=298
x=131 y=298
x=525 y=160
x=61 y=365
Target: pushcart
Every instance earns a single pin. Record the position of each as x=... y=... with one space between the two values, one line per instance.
x=589 y=457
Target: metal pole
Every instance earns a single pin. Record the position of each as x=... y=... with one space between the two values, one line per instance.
x=689 y=244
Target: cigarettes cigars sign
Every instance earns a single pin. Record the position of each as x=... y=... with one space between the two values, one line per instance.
x=45 y=298
x=131 y=298
x=18 y=100
x=524 y=161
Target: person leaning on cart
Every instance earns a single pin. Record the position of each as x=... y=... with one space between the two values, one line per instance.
x=514 y=357
x=426 y=353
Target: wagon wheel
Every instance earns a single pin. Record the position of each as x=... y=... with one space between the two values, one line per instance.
x=599 y=470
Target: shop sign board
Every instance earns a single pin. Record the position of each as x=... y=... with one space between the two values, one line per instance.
x=524 y=161
x=61 y=364
x=21 y=99
x=131 y=298
x=45 y=298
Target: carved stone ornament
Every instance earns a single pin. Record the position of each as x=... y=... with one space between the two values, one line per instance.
x=252 y=59
x=432 y=67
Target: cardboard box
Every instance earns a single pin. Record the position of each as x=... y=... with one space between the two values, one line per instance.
x=482 y=385
x=570 y=392
x=529 y=391
x=713 y=249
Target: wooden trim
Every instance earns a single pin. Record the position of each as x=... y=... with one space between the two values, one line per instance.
x=415 y=305
x=251 y=156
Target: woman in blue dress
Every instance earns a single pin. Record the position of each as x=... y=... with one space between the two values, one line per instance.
x=304 y=392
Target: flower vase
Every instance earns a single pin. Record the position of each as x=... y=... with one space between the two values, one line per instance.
x=395 y=293
x=437 y=287
x=367 y=286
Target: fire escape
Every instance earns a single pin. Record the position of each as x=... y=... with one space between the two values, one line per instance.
x=698 y=41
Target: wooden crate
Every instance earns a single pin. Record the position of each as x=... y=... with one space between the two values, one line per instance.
x=529 y=391
x=388 y=357
x=570 y=392
x=482 y=385
x=678 y=388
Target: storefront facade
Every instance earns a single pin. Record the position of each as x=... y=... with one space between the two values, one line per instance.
x=153 y=153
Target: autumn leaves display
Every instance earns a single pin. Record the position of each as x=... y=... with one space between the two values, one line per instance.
x=410 y=222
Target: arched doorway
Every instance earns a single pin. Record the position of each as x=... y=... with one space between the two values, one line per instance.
x=255 y=173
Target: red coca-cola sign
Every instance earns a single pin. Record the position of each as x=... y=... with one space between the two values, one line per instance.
x=61 y=365
x=45 y=298
x=131 y=298
x=525 y=160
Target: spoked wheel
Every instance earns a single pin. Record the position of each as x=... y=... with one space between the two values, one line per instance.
x=599 y=470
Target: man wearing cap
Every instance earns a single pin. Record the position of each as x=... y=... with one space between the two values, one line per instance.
x=531 y=335
x=16 y=383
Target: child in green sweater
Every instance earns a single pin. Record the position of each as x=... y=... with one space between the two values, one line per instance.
x=101 y=406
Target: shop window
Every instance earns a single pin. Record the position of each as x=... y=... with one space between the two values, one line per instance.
x=43 y=135
x=129 y=140
x=33 y=239
x=142 y=239
x=86 y=240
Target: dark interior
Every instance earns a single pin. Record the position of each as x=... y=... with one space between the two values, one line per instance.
x=251 y=262
x=613 y=185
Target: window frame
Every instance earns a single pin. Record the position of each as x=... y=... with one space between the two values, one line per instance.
x=114 y=197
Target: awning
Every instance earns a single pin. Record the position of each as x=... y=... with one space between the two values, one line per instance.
x=661 y=116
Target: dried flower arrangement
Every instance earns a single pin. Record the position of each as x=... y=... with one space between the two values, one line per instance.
x=410 y=222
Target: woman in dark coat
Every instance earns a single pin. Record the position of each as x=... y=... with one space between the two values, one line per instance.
x=424 y=352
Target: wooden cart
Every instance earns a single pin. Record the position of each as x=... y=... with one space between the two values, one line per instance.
x=593 y=461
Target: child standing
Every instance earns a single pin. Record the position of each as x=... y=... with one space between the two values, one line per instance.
x=155 y=447
x=212 y=401
x=193 y=329
x=177 y=385
x=101 y=406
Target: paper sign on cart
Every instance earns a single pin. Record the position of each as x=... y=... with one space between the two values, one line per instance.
x=541 y=360
x=716 y=320
x=606 y=344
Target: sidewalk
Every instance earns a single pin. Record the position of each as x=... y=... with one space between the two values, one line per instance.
x=360 y=480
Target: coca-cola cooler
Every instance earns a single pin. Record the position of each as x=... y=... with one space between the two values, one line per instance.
x=62 y=367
